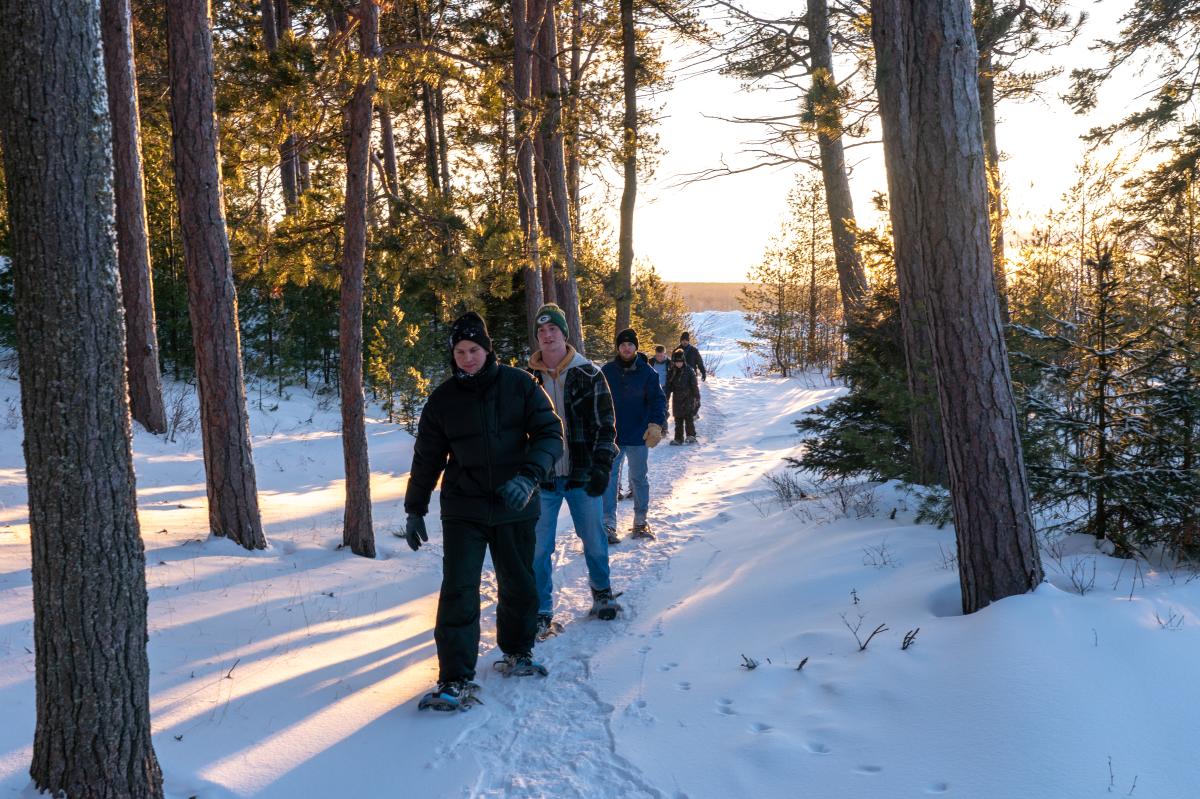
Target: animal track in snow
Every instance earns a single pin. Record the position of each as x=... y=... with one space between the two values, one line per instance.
x=868 y=769
x=684 y=686
x=668 y=666
x=759 y=728
x=817 y=748
x=725 y=707
x=938 y=787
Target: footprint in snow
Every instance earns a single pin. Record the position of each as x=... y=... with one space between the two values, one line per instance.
x=667 y=666
x=684 y=686
x=643 y=650
x=725 y=707
x=817 y=748
x=759 y=728
x=938 y=787
x=868 y=769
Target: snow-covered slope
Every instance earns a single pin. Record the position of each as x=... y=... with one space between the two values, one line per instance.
x=295 y=671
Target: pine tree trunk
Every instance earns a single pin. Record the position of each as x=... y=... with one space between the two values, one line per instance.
x=899 y=144
x=575 y=85
x=212 y=301
x=357 y=530
x=387 y=138
x=526 y=190
x=133 y=248
x=925 y=50
x=556 y=179
x=629 y=157
x=91 y=672
x=991 y=149
x=287 y=151
x=826 y=103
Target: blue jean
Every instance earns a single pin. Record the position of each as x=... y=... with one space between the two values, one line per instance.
x=639 y=481
x=585 y=513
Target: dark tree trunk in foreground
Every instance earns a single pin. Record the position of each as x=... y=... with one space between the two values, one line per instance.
x=991 y=150
x=357 y=530
x=826 y=107
x=929 y=100
x=526 y=191
x=928 y=450
x=629 y=156
x=92 y=737
x=212 y=302
x=133 y=248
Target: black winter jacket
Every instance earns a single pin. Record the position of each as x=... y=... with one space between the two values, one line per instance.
x=683 y=390
x=482 y=431
x=692 y=357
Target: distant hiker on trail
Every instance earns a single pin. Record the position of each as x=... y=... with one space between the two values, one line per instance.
x=683 y=391
x=494 y=432
x=691 y=355
x=641 y=415
x=661 y=365
x=580 y=476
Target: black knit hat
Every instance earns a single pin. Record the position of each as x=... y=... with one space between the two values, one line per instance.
x=628 y=334
x=470 y=327
x=677 y=355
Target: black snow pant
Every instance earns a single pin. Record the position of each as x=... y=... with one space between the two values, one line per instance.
x=681 y=422
x=457 y=631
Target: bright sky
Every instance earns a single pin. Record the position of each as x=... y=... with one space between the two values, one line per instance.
x=716 y=230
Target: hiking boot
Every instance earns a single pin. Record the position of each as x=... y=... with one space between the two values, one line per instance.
x=675 y=442
x=623 y=495
x=604 y=604
x=690 y=440
x=641 y=530
x=451 y=695
x=611 y=532
x=520 y=665
x=547 y=627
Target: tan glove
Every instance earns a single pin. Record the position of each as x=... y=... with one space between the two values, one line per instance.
x=654 y=434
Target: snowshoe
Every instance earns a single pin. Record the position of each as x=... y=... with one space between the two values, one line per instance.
x=522 y=665
x=460 y=695
x=604 y=604
x=611 y=532
x=547 y=627
x=641 y=530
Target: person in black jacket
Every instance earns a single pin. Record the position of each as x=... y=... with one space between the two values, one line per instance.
x=491 y=428
x=691 y=355
x=683 y=392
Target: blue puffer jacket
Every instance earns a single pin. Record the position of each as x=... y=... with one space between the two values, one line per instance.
x=637 y=398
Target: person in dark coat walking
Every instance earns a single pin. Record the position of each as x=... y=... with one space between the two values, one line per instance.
x=691 y=355
x=641 y=409
x=683 y=392
x=493 y=431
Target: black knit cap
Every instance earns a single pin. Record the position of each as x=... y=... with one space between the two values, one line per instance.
x=677 y=355
x=628 y=334
x=470 y=327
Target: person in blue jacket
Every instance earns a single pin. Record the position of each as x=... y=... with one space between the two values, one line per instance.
x=641 y=409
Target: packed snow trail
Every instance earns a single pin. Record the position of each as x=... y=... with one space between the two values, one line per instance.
x=554 y=737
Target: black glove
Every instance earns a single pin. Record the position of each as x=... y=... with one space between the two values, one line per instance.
x=414 y=531
x=597 y=481
x=517 y=492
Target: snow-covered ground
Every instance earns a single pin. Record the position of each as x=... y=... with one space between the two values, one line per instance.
x=295 y=672
x=716 y=334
